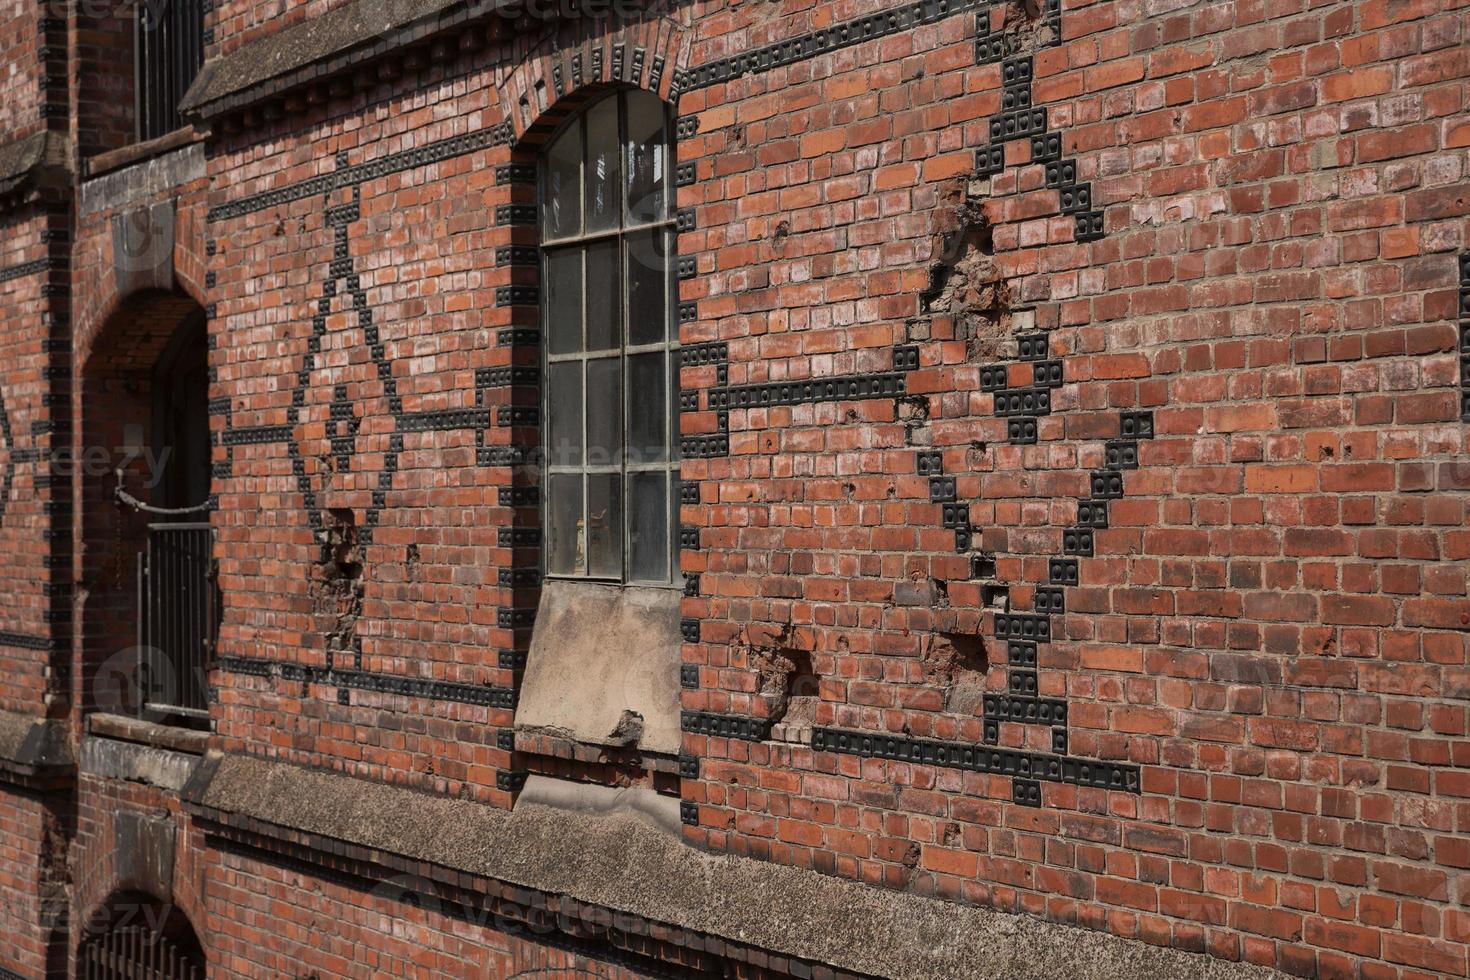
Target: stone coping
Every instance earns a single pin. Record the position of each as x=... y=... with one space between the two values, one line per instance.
x=320 y=46
x=33 y=748
x=623 y=865
x=34 y=156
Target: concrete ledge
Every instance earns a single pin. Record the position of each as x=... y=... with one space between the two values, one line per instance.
x=635 y=802
x=35 y=750
x=142 y=180
x=621 y=865
x=134 y=763
x=39 y=158
x=312 y=50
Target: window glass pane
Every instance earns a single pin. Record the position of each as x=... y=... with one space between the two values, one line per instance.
x=604 y=297
x=604 y=184
x=649 y=285
x=604 y=411
x=647 y=158
x=605 y=525
x=564 y=300
x=561 y=193
x=607 y=408
x=648 y=408
x=564 y=414
x=564 y=553
x=648 y=530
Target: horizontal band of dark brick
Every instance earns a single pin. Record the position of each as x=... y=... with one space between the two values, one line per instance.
x=979 y=758
x=393 y=163
x=362 y=680
x=742 y=727
x=24 y=269
x=829 y=39
x=26 y=641
x=839 y=388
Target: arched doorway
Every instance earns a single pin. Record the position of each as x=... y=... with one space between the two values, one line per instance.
x=136 y=937
x=148 y=629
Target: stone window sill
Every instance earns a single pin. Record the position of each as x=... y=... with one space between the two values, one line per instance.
x=551 y=746
x=102 y=163
x=149 y=733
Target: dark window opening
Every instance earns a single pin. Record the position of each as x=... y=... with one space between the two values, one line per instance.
x=177 y=588
x=181 y=418
x=168 y=50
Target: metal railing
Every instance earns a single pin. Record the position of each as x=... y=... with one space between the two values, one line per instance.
x=137 y=953
x=177 y=603
x=176 y=618
x=168 y=49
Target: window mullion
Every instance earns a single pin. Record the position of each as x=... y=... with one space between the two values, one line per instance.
x=626 y=323
x=623 y=385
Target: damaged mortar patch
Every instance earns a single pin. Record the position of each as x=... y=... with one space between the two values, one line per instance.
x=629 y=729
x=957 y=664
x=965 y=283
x=786 y=676
x=337 y=582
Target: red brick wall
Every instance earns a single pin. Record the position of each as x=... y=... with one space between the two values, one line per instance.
x=32 y=880
x=344 y=928
x=97 y=865
x=420 y=249
x=1273 y=623
x=24 y=469
x=20 y=85
x=1268 y=635
x=1268 y=632
x=102 y=83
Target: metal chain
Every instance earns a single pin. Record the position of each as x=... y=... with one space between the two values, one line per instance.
x=122 y=496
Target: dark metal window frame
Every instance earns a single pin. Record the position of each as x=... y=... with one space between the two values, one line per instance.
x=167 y=54
x=669 y=346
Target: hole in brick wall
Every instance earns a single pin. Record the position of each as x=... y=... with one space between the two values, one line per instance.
x=957 y=663
x=964 y=651
x=913 y=408
x=1027 y=24
x=995 y=597
x=780 y=236
x=965 y=284
x=963 y=251
x=337 y=585
x=802 y=681
x=788 y=683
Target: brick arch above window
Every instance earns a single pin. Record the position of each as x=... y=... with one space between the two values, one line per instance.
x=567 y=69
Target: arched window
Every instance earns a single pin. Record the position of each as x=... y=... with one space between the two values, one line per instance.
x=611 y=372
